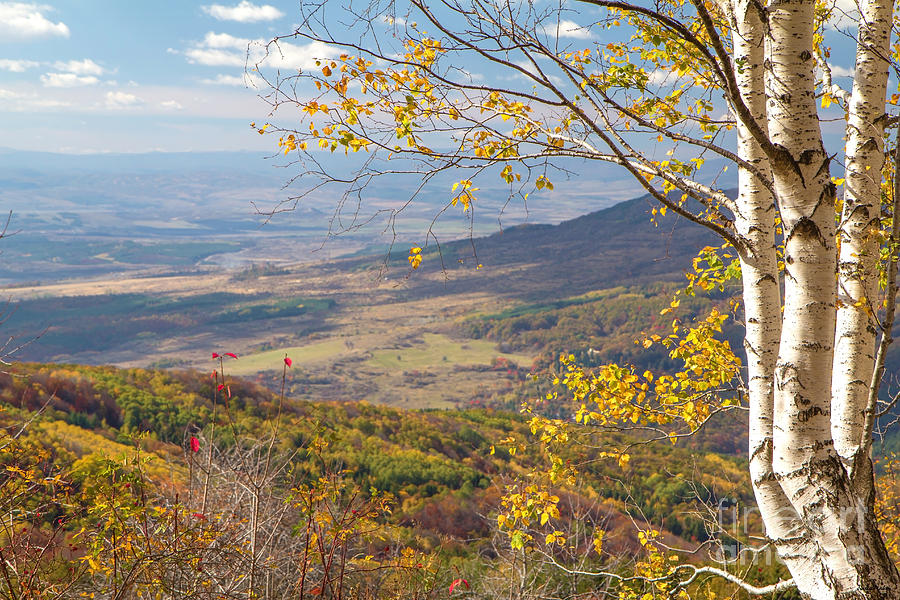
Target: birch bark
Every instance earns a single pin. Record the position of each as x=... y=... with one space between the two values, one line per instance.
x=857 y=283
x=755 y=226
x=847 y=557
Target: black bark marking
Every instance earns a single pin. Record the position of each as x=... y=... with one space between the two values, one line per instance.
x=805 y=415
x=806 y=228
x=806 y=157
x=817 y=346
x=869 y=145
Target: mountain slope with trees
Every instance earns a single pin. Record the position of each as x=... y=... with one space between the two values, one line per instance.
x=136 y=444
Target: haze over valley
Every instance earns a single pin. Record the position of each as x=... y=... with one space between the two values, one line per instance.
x=87 y=216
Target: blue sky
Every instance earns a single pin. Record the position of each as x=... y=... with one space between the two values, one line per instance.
x=127 y=76
x=133 y=76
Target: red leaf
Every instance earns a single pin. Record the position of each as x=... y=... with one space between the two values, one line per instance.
x=215 y=355
x=228 y=389
x=288 y=361
x=200 y=516
x=221 y=387
x=195 y=444
x=456 y=582
x=231 y=354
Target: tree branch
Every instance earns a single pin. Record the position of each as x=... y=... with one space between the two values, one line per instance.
x=749 y=588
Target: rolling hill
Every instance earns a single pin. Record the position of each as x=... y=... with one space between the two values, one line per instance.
x=615 y=246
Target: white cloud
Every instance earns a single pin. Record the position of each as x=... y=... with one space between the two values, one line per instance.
x=224 y=50
x=214 y=57
x=839 y=71
x=244 y=12
x=225 y=80
x=63 y=80
x=219 y=50
x=74 y=73
x=171 y=105
x=21 y=20
x=567 y=29
x=80 y=67
x=17 y=66
x=285 y=55
x=525 y=66
x=224 y=40
x=13 y=101
x=122 y=100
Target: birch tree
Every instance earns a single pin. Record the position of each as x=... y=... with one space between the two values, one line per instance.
x=485 y=88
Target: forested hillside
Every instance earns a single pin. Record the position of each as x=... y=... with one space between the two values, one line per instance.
x=171 y=441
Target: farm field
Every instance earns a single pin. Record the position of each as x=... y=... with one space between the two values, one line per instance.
x=436 y=350
x=357 y=331
x=350 y=336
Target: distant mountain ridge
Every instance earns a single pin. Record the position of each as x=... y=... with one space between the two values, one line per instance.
x=614 y=246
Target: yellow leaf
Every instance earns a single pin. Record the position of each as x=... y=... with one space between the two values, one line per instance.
x=598 y=541
x=415 y=257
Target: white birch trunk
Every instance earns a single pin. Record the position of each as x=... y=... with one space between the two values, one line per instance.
x=755 y=226
x=858 y=284
x=848 y=558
